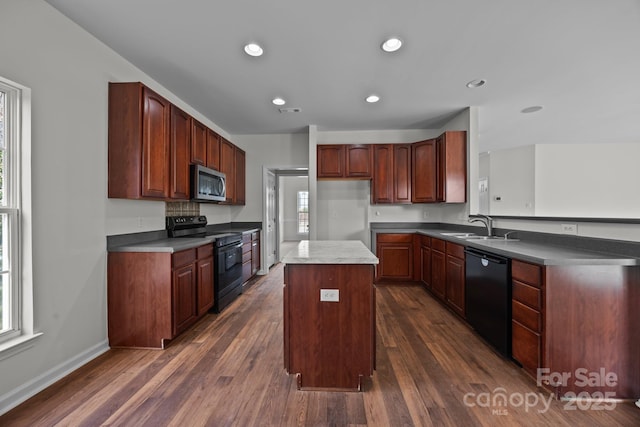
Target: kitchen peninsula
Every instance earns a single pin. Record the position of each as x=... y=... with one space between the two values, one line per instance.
x=329 y=314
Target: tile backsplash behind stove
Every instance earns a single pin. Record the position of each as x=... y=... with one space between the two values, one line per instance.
x=182 y=209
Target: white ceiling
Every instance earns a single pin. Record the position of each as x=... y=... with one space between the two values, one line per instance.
x=579 y=59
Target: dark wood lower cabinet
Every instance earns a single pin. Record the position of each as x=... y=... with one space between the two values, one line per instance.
x=581 y=321
x=204 y=269
x=255 y=252
x=438 y=272
x=329 y=344
x=526 y=347
x=592 y=315
x=154 y=296
x=250 y=255
x=395 y=252
x=425 y=261
x=184 y=298
x=455 y=278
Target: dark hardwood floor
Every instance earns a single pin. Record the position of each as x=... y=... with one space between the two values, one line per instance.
x=432 y=370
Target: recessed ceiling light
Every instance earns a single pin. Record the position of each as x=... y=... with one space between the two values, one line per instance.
x=278 y=101
x=372 y=99
x=392 y=44
x=253 y=49
x=476 y=83
x=531 y=109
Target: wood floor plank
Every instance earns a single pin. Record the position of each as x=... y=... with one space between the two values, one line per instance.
x=227 y=370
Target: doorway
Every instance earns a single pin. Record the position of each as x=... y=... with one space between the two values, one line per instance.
x=286 y=211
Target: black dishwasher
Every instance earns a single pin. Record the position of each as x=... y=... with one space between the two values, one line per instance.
x=488 y=297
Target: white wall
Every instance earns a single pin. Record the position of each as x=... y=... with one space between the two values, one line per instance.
x=593 y=180
x=577 y=180
x=511 y=179
x=68 y=72
x=277 y=151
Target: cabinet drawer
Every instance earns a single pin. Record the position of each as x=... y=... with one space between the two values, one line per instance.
x=183 y=258
x=527 y=295
x=246 y=271
x=525 y=272
x=526 y=316
x=455 y=250
x=425 y=241
x=205 y=251
x=438 y=245
x=246 y=256
x=394 y=238
x=246 y=238
x=246 y=247
x=255 y=235
x=525 y=346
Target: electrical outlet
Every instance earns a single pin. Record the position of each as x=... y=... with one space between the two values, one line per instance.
x=569 y=228
x=425 y=214
x=330 y=295
x=139 y=222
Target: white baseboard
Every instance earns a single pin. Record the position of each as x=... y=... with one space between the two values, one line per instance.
x=29 y=389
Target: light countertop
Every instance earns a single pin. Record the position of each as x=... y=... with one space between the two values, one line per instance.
x=330 y=252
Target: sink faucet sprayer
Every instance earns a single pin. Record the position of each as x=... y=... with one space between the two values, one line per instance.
x=486 y=220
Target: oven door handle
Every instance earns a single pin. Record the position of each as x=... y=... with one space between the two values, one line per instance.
x=228 y=248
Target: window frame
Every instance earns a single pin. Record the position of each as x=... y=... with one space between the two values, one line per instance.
x=11 y=207
x=298 y=211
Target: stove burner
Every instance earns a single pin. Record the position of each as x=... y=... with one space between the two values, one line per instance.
x=187 y=226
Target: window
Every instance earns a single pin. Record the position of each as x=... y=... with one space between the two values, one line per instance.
x=303 y=212
x=10 y=290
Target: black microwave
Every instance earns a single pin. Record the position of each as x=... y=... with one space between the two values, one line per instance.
x=207 y=185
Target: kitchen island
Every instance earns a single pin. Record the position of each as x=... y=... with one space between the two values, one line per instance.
x=329 y=314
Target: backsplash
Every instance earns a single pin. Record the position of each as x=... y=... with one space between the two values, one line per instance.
x=182 y=209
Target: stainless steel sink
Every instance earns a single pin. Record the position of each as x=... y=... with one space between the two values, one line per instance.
x=489 y=238
x=460 y=235
x=473 y=236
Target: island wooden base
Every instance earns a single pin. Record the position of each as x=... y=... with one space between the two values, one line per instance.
x=329 y=345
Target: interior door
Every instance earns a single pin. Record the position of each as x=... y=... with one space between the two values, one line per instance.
x=271 y=235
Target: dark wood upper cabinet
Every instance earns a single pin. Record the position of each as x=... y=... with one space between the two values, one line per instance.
x=239 y=197
x=402 y=173
x=344 y=161
x=391 y=173
x=138 y=142
x=179 y=142
x=228 y=167
x=424 y=164
x=198 y=143
x=213 y=150
x=330 y=161
x=452 y=167
x=358 y=161
x=382 y=182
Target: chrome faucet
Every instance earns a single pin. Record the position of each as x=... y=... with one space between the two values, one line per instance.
x=486 y=220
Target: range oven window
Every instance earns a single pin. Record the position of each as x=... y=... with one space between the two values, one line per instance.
x=228 y=271
x=230 y=265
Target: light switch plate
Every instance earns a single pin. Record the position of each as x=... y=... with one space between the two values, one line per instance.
x=569 y=228
x=330 y=295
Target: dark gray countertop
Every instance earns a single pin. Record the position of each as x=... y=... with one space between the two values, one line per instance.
x=522 y=249
x=157 y=241
x=170 y=245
